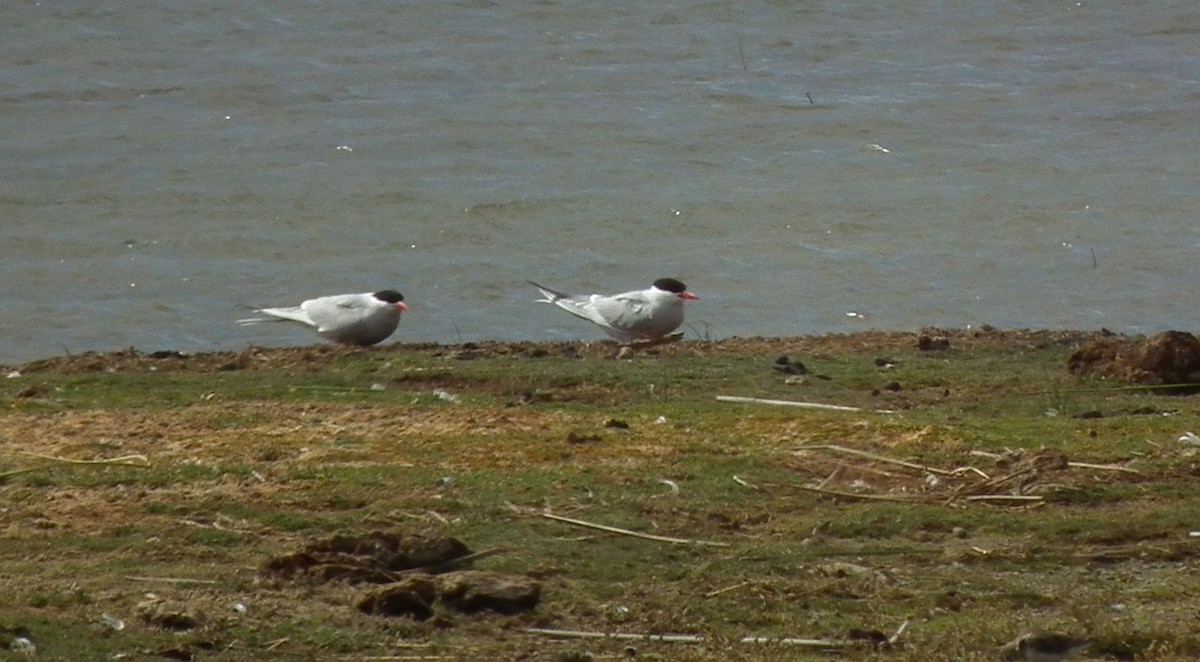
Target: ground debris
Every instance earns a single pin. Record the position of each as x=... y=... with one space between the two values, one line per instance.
x=169 y=614
x=471 y=591
x=1172 y=357
x=411 y=596
x=1019 y=477
x=375 y=558
x=464 y=591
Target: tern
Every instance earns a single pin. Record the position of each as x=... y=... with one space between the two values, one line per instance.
x=348 y=319
x=639 y=316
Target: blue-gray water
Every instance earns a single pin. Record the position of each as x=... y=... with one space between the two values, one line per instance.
x=804 y=166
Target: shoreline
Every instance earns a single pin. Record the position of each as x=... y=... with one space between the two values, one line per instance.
x=135 y=360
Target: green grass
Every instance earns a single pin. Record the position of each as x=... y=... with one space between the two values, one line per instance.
x=251 y=463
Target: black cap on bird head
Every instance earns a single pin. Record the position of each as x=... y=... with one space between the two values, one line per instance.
x=670 y=285
x=389 y=296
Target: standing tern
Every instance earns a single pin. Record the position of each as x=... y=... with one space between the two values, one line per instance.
x=642 y=315
x=348 y=319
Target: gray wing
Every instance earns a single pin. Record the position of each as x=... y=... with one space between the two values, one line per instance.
x=340 y=311
x=579 y=305
x=627 y=313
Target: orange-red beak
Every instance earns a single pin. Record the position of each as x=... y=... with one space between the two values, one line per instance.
x=400 y=306
x=688 y=296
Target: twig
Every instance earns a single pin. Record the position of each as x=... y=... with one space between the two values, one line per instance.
x=694 y=638
x=635 y=534
x=794 y=403
x=899 y=631
x=743 y=482
x=829 y=479
x=878 y=458
x=170 y=580
x=625 y=636
x=140 y=461
x=1103 y=467
x=713 y=594
x=454 y=562
x=1003 y=497
x=854 y=495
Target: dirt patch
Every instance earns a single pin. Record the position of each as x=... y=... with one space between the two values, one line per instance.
x=1167 y=358
x=375 y=558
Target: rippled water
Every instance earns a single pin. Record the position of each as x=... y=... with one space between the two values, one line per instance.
x=803 y=166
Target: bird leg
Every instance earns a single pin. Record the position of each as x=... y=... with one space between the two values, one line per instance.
x=632 y=347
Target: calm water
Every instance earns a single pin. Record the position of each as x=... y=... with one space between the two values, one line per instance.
x=804 y=166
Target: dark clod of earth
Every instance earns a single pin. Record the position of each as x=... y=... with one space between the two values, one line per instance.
x=372 y=558
x=1172 y=357
x=787 y=366
x=933 y=343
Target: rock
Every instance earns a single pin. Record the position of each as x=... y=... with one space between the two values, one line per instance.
x=412 y=596
x=470 y=591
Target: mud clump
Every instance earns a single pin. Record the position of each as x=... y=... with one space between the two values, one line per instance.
x=927 y=343
x=415 y=573
x=412 y=596
x=465 y=591
x=1172 y=357
x=373 y=558
x=471 y=591
x=169 y=614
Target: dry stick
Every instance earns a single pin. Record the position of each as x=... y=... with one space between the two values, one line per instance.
x=899 y=631
x=457 y=561
x=1103 y=467
x=170 y=580
x=1003 y=497
x=794 y=403
x=836 y=471
x=692 y=638
x=635 y=534
x=140 y=461
x=877 y=458
x=713 y=594
x=852 y=495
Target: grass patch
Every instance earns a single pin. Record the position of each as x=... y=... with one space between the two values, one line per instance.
x=254 y=453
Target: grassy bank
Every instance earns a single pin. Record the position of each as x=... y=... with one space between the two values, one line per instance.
x=1028 y=498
